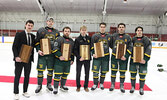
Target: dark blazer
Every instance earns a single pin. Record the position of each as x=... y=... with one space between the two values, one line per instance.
x=80 y=41
x=20 y=39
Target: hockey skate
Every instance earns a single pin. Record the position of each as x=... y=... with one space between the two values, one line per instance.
x=49 y=87
x=64 y=88
x=132 y=90
x=55 y=91
x=111 y=88
x=122 y=88
x=141 y=91
x=94 y=87
x=38 y=89
x=101 y=87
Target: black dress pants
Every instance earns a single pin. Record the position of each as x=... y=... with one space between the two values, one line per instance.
x=79 y=64
x=18 y=70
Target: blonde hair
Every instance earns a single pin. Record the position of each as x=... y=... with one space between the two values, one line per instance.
x=83 y=27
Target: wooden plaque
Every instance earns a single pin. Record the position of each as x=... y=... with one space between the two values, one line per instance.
x=99 y=50
x=45 y=46
x=85 y=52
x=66 y=50
x=120 y=50
x=138 y=54
x=25 y=53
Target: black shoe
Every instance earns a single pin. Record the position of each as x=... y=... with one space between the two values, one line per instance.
x=64 y=88
x=55 y=91
x=94 y=87
x=49 y=87
x=38 y=89
x=132 y=90
x=141 y=91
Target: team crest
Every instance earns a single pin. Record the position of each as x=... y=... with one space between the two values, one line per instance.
x=95 y=67
x=56 y=34
x=125 y=40
x=108 y=39
x=113 y=65
x=119 y=41
x=49 y=30
x=56 y=44
x=40 y=65
x=50 y=36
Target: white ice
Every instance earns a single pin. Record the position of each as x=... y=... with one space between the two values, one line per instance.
x=157 y=81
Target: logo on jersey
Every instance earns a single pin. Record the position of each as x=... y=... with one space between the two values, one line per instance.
x=40 y=65
x=138 y=44
x=109 y=39
x=56 y=34
x=50 y=36
x=95 y=67
x=113 y=65
x=139 y=39
x=102 y=35
x=125 y=40
x=120 y=36
x=67 y=40
x=49 y=30
x=56 y=44
x=119 y=42
x=105 y=42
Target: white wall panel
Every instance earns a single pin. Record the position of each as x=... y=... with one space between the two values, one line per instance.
x=17 y=20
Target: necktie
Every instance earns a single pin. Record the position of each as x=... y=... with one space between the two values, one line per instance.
x=84 y=37
x=29 y=43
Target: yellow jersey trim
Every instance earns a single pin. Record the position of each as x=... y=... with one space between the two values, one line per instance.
x=146 y=55
x=129 y=51
x=54 y=51
x=37 y=44
x=58 y=73
x=41 y=70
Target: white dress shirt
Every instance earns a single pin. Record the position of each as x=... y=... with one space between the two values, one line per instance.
x=27 y=37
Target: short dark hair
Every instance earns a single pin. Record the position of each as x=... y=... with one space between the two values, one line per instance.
x=138 y=28
x=102 y=23
x=30 y=21
x=121 y=24
x=66 y=28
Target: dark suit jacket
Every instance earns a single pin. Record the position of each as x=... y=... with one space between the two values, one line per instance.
x=80 y=41
x=20 y=39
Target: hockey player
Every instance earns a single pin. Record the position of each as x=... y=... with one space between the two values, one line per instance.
x=62 y=66
x=140 y=67
x=102 y=63
x=83 y=39
x=45 y=61
x=120 y=64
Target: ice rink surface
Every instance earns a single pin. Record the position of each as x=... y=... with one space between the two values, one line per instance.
x=155 y=80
